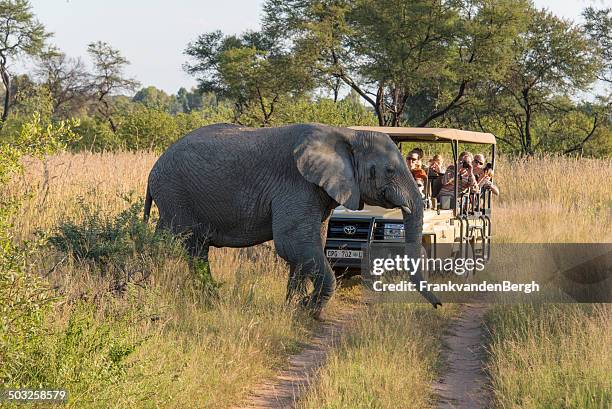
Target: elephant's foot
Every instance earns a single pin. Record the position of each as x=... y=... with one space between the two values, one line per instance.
x=313 y=306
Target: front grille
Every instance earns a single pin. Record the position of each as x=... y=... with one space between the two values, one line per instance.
x=379 y=231
x=342 y=229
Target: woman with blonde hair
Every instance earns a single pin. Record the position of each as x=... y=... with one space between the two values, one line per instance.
x=436 y=165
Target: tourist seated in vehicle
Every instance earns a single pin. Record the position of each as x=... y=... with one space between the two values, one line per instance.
x=421 y=180
x=413 y=160
x=484 y=174
x=435 y=172
x=468 y=182
x=436 y=166
x=414 y=164
x=420 y=154
x=479 y=165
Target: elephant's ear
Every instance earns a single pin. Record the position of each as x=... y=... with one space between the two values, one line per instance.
x=325 y=158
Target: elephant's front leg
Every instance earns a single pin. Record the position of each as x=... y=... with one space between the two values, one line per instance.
x=296 y=285
x=298 y=241
x=324 y=283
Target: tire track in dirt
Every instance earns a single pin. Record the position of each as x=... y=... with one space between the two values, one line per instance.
x=284 y=389
x=464 y=384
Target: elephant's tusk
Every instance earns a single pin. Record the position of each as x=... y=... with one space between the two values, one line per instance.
x=406 y=209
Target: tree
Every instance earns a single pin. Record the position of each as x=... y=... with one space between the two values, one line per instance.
x=248 y=70
x=109 y=78
x=402 y=57
x=155 y=98
x=554 y=58
x=67 y=79
x=21 y=34
x=598 y=25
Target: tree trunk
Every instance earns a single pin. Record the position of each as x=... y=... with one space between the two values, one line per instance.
x=528 y=139
x=6 y=80
x=443 y=111
x=580 y=146
x=112 y=124
x=336 y=88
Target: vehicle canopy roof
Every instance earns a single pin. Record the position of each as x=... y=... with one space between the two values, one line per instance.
x=402 y=134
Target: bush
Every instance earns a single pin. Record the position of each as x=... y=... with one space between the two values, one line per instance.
x=84 y=355
x=95 y=135
x=145 y=128
x=111 y=241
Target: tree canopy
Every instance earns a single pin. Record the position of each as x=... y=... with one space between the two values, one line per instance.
x=411 y=60
x=250 y=70
x=498 y=66
x=22 y=34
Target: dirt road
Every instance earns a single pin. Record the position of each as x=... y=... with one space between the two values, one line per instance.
x=464 y=383
x=287 y=386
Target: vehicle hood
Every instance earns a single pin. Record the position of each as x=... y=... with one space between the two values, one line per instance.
x=367 y=212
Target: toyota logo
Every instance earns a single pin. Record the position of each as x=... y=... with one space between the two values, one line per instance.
x=350 y=230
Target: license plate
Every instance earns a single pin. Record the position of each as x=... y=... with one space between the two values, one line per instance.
x=344 y=253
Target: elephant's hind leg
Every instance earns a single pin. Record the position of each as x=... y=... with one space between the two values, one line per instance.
x=196 y=240
x=197 y=243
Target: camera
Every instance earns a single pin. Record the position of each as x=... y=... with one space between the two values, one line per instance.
x=466 y=165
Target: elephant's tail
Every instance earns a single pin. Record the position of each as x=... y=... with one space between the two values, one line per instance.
x=147 y=204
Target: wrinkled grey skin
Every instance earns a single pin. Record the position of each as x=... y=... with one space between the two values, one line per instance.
x=230 y=186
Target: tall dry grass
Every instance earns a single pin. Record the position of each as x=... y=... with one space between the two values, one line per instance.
x=553 y=199
x=175 y=348
x=556 y=355
x=183 y=352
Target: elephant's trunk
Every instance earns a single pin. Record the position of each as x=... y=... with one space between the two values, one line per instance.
x=413 y=234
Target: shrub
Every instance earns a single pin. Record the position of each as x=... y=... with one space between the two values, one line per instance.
x=83 y=355
x=141 y=127
x=111 y=241
x=147 y=128
x=95 y=135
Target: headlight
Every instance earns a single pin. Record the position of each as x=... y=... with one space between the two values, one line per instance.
x=393 y=231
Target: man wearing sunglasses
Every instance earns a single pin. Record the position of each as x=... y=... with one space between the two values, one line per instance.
x=413 y=160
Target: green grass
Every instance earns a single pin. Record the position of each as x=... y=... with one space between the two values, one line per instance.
x=551 y=356
x=389 y=357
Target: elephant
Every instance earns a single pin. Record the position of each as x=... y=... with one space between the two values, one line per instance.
x=225 y=185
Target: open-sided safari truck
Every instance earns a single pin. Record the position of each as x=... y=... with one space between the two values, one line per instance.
x=463 y=231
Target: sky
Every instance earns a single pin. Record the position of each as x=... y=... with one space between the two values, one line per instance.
x=152 y=34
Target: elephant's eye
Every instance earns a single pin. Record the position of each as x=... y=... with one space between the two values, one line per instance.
x=372 y=171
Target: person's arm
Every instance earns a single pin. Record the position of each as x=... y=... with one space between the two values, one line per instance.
x=471 y=183
x=494 y=189
x=485 y=183
x=449 y=176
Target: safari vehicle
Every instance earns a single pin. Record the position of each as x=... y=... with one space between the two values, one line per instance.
x=463 y=231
